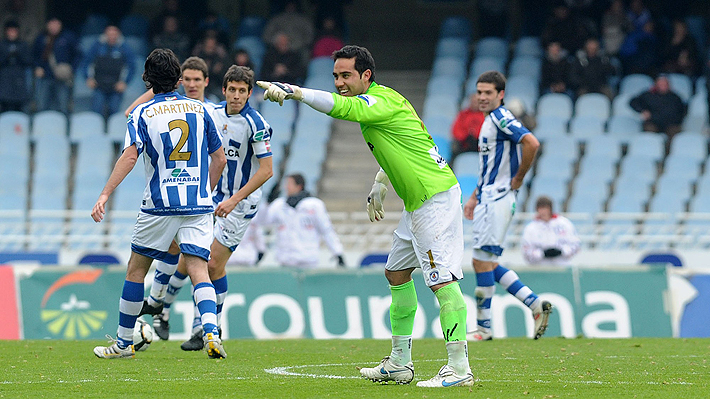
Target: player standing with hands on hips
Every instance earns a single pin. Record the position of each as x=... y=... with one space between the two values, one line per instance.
x=430 y=231
x=178 y=140
x=492 y=204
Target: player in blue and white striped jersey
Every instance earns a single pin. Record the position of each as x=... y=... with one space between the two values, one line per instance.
x=182 y=157
x=491 y=207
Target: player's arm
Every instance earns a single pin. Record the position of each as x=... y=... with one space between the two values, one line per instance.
x=260 y=177
x=148 y=95
x=216 y=151
x=123 y=167
x=470 y=205
x=217 y=164
x=530 y=147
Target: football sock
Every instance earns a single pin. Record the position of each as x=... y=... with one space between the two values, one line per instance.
x=510 y=281
x=177 y=280
x=197 y=319
x=220 y=288
x=401 y=349
x=128 y=307
x=458 y=356
x=205 y=299
x=403 y=308
x=484 y=295
x=163 y=271
x=452 y=312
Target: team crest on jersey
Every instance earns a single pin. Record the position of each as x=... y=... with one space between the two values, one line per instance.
x=369 y=100
x=433 y=276
x=224 y=130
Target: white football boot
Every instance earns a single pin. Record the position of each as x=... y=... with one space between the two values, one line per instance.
x=213 y=345
x=541 y=317
x=388 y=371
x=446 y=378
x=478 y=335
x=113 y=351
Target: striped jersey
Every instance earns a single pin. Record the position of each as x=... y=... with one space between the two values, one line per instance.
x=175 y=136
x=246 y=138
x=499 y=153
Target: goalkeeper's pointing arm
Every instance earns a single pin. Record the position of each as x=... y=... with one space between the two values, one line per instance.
x=319 y=100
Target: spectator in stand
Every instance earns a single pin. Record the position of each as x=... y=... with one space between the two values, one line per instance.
x=109 y=66
x=591 y=70
x=565 y=28
x=298 y=27
x=639 y=52
x=615 y=26
x=466 y=128
x=661 y=109
x=55 y=55
x=329 y=39
x=173 y=38
x=638 y=15
x=15 y=63
x=681 y=53
x=214 y=22
x=282 y=63
x=550 y=239
x=241 y=58
x=302 y=221
x=170 y=8
x=29 y=15
x=333 y=9
x=556 y=71
x=215 y=56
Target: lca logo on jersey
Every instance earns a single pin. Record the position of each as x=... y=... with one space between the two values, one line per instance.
x=369 y=100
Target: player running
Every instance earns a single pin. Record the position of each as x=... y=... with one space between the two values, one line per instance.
x=492 y=204
x=177 y=139
x=430 y=231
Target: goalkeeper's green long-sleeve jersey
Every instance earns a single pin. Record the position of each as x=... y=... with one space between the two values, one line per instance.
x=399 y=141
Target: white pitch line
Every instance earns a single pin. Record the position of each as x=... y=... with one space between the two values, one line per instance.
x=89 y=380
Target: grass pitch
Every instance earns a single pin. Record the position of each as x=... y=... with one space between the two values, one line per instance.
x=506 y=368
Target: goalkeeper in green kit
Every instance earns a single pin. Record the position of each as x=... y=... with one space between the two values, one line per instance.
x=430 y=233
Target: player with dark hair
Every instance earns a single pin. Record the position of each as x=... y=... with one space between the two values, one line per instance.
x=177 y=139
x=492 y=204
x=430 y=232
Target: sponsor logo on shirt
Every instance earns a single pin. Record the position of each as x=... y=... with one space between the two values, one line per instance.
x=180 y=176
x=434 y=153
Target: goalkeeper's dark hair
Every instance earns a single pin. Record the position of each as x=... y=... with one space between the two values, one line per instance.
x=298 y=179
x=162 y=71
x=238 y=73
x=543 y=202
x=363 y=59
x=197 y=64
x=494 y=77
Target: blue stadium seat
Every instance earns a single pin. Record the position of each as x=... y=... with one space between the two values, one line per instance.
x=466 y=164
x=698 y=106
x=549 y=164
x=587 y=197
x=87 y=123
x=642 y=166
x=602 y=146
x=524 y=88
x=494 y=47
x=139 y=45
x=528 y=46
x=482 y=64
x=633 y=188
x=550 y=126
x=526 y=66
x=594 y=104
x=452 y=47
x=681 y=168
x=451 y=67
x=620 y=107
x=628 y=201
x=623 y=126
x=700 y=86
x=14 y=123
x=555 y=104
x=667 y=202
x=94 y=24
x=564 y=147
x=444 y=105
x=690 y=144
x=439 y=125
x=681 y=85
x=323 y=82
x=134 y=25
x=456 y=27
x=553 y=187
x=635 y=84
x=602 y=166
x=272 y=111
x=649 y=145
x=116 y=127
x=49 y=123
x=443 y=85
x=129 y=193
x=670 y=185
x=251 y=25
x=584 y=127
x=320 y=66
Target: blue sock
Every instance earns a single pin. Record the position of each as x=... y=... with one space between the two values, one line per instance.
x=220 y=289
x=509 y=280
x=128 y=309
x=206 y=301
x=484 y=294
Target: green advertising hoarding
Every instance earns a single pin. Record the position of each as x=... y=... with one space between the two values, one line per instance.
x=274 y=303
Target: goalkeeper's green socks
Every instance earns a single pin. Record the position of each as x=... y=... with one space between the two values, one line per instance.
x=452 y=315
x=402 y=311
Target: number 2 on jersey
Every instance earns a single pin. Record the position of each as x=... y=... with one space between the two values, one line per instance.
x=177 y=154
x=185 y=146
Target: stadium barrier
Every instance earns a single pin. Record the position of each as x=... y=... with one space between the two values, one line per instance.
x=82 y=302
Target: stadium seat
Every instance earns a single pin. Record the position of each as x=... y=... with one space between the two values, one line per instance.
x=129 y=193
x=700 y=86
x=452 y=47
x=628 y=201
x=94 y=24
x=494 y=47
x=635 y=84
x=439 y=125
x=602 y=146
x=620 y=107
x=456 y=27
x=593 y=104
x=623 y=126
x=550 y=126
x=443 y=85
x=49 y=123
x=526 y=66
x=553 y=187
x=587 y=197
x=320 y=66
x=601 y=166
x=87 y=123
x=450 y=67
x=549 y=164
x=584 y=127
x=324 y=82
x=642 y=166
x=564 y=147
x=444 y=105
x=682 y=168
x=483 y=64
x=528 y=46
x=117 y=126
x=251 y=25
x=466 y=164
x=14 y=123
x=524 y=88
x=555 y=104
x=698 y=105
x=139 y=45
x=671 y=185
x=272 y=111
x=689 y=144
x=681 y=85
x=697 y=28
x=649 y=145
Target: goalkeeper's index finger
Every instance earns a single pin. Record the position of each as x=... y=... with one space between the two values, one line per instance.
x=263 y=85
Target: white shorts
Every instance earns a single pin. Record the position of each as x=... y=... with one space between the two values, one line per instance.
x=152 y=235
x=431 y=238
x=230 y=230
x=490 y=223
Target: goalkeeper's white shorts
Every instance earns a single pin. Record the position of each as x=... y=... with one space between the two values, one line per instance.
x=490 y=224
x=431 y=238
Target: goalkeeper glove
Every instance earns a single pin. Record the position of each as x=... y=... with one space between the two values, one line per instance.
x=375 y=207
x=278 y=92
x=552 y=252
